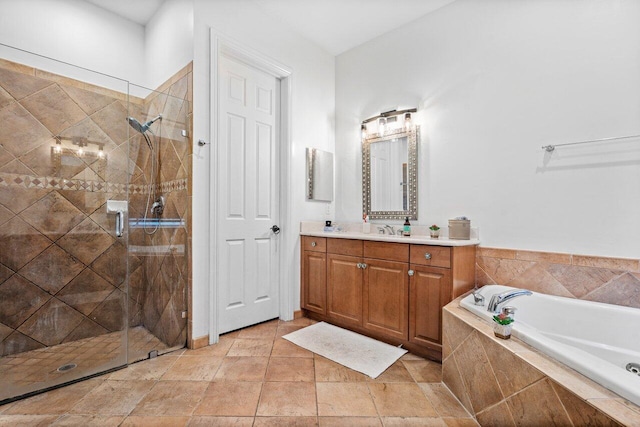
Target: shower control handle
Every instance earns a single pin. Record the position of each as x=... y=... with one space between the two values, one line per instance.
x=119 y=223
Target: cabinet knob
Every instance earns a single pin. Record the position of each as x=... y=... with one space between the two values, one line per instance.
x=364 y=265
x=427 y=255
x=359 y=265
x=314 y=244
x=411 y=272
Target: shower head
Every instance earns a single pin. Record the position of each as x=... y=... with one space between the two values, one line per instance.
x=136 y=125
x=142 y=128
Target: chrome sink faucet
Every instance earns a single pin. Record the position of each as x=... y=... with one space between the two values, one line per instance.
x=390 y=229
x=498 y=299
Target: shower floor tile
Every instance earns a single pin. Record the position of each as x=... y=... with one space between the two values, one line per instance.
x=37 y=369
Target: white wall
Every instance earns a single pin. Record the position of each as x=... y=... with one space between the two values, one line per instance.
x=75 y=32
x=495 y=80
x=313 y=126
x=168 y=41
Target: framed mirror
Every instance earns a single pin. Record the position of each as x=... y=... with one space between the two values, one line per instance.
x=390 y=175
x=319 y=175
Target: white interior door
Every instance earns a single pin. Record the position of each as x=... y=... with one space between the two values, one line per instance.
x=248 y=195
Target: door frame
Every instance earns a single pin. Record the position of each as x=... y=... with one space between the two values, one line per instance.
x=220 y=45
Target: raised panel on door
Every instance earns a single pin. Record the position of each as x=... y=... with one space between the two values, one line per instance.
x=344 y=289
x=314 y=281
x=386 y=297
x=234 y=286
x=429 y=289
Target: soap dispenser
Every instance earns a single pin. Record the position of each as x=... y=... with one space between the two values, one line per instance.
x=406 y=231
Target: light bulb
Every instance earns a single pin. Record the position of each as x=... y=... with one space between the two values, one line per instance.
x=407 y=121
x=382 y=123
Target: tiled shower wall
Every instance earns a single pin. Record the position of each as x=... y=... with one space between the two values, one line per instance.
x=160 y=289
x=62 y=273
x=608 y=280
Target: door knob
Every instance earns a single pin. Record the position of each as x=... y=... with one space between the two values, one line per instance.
x=275 y=229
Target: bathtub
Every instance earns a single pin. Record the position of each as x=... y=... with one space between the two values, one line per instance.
x=598 y=340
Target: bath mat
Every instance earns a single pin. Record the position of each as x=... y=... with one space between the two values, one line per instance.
x=350 y=349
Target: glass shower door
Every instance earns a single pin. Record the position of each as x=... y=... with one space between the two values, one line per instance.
x=160 y=153
x=63 y=268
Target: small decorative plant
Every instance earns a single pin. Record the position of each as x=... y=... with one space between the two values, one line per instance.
x=434 y=228
x=503 y=319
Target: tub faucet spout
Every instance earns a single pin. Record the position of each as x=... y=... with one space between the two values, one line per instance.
x=498 y=299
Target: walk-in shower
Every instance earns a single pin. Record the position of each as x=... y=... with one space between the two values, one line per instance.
x=78 y=295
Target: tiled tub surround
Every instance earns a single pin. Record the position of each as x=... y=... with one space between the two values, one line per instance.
x=509 y=383
x=596 y=339
x=59 y=258
x=609 y=280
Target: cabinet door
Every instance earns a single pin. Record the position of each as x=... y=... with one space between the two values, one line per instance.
x=386 y=297
x=429 y=291
x=344 y=289
x=314 y=281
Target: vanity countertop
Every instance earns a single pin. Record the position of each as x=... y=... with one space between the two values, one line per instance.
x=416 y=239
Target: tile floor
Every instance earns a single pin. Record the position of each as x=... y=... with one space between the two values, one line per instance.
x=253 y=377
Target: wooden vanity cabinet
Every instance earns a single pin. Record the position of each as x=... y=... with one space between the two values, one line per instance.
x=344 y=281
x=391 y=291
x=386 y=288
x=314 y=274
x=438 y=275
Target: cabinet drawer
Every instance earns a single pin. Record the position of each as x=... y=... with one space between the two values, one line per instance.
x=344 y=247
x=435 y=256
x=388 y=251
x=315 y=244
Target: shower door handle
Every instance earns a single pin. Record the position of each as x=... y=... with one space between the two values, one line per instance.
x=119 y=223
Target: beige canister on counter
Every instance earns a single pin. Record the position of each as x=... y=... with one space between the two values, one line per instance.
x=459 y=229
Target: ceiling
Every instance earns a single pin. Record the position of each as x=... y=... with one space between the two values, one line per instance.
x=334 y=25
x=139 y=11
x=339 y=25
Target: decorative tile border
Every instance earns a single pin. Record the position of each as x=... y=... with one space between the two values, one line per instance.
x=55 y=183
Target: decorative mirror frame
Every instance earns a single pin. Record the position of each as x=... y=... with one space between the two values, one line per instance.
x=319 y=175
x=412 y=174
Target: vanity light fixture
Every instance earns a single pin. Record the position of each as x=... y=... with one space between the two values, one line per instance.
x=386 y=119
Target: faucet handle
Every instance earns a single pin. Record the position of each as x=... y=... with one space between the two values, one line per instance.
x=478 y=299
